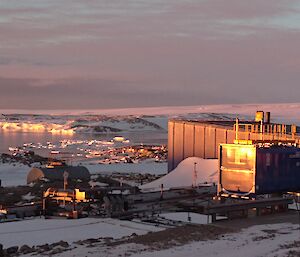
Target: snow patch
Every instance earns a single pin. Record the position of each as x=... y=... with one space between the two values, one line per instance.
x=183 y=174
x=41 y=231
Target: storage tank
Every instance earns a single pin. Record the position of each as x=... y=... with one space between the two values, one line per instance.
x=254 y=169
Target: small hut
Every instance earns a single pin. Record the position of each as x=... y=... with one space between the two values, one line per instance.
x=56 y=173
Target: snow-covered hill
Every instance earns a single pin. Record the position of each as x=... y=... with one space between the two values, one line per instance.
x=82 y=123
x=137 y=119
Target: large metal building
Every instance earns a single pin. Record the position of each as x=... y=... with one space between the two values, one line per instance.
x=56 y=173
x=194 y=138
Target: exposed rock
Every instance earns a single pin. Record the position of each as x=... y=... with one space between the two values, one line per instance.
x=1 y=250
x=61 y=243
x=25 y=249
x=12 y=250
x=56 y=251
x=91 y=241
x=44 y=248
x=79 y=242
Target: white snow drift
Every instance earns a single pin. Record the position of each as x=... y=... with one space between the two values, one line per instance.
x=183 y=174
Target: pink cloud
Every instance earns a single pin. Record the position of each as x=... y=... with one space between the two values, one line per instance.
x=186 y=48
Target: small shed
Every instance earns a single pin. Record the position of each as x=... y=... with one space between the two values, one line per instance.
x=57 y=173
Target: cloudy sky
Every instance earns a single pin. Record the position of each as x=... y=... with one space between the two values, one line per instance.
x=76 y=54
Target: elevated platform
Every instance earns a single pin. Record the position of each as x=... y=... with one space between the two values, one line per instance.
x=241 y=207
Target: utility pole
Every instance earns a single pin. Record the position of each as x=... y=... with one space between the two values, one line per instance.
x=195 y=175
x=66 y=175
x=161 y=191
x=237 y=128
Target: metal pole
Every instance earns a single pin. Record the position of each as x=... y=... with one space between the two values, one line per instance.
x=195 y=175
x=66 y=175
x=237 y=129
x=261 y=130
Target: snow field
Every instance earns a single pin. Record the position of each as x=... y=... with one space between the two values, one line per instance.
x=41 y=231
x=256 y=241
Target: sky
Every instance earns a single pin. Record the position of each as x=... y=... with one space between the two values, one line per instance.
x=75 y=54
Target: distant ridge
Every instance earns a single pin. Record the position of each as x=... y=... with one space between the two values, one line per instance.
x=276 y=108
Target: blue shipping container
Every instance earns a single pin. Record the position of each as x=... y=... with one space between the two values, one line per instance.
x=252 y=169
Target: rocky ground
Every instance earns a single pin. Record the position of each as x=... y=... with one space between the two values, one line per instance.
x=152 y=241
x=27 y=158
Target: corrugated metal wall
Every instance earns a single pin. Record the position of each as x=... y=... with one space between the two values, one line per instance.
x=178 y=143
x=199 y=141
x=187 y=139
x=170 y=145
